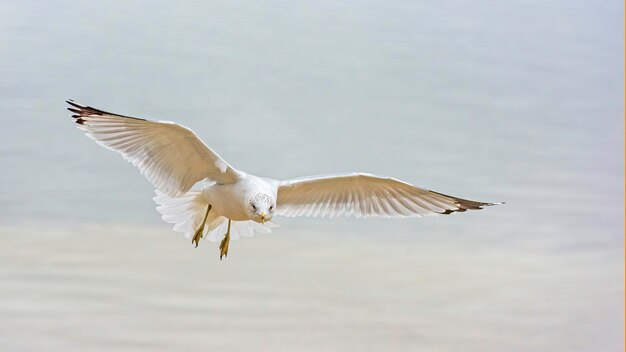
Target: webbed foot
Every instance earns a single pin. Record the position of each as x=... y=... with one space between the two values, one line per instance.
x=224 y=243
x=197 y=236
x=200 y=231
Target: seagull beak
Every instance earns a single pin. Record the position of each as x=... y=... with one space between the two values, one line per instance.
x=262 y=217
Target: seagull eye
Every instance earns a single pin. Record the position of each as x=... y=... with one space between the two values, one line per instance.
x=271 y=207
x=253 y=206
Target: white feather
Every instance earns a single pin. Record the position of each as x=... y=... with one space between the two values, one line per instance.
x=363 y=195
x=169 y=155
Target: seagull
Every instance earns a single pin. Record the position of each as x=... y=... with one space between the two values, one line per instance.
x=205 y=197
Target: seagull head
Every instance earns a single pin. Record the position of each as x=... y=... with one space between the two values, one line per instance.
x=261 y=207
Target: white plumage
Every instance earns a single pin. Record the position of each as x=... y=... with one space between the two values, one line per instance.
x=186 y=214
x=174 y=159
x=364 y=195
x=171 y=156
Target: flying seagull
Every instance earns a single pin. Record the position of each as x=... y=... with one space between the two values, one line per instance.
x=175 y=160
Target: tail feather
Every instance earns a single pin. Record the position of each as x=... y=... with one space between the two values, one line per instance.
x=186 y=212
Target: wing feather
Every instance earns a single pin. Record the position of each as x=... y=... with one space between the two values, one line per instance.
x=364 y=195
x=169 y=155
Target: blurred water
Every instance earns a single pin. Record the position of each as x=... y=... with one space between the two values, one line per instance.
x=496 y=101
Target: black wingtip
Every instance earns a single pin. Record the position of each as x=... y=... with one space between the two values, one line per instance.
x=77 y=111
x=74 y=104
x=87 y=111
x=464 y=205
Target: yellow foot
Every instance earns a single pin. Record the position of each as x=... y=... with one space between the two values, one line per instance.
x=200 y=232
x=224 y=247
x=224 y=243
x=197 y=236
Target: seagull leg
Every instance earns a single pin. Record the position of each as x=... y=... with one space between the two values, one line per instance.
x=198 y=235
x=224 y=243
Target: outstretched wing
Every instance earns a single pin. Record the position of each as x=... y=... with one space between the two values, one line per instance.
x=170 y=156
x=364 y=195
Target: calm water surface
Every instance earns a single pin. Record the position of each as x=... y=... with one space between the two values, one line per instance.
x=510 y=101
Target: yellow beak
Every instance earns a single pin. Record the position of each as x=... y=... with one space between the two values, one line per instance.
x=262 y=217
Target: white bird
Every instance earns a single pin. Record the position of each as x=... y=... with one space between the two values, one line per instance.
x=174 y=160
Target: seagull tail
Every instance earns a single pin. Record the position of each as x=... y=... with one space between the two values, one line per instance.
x=187 y=212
